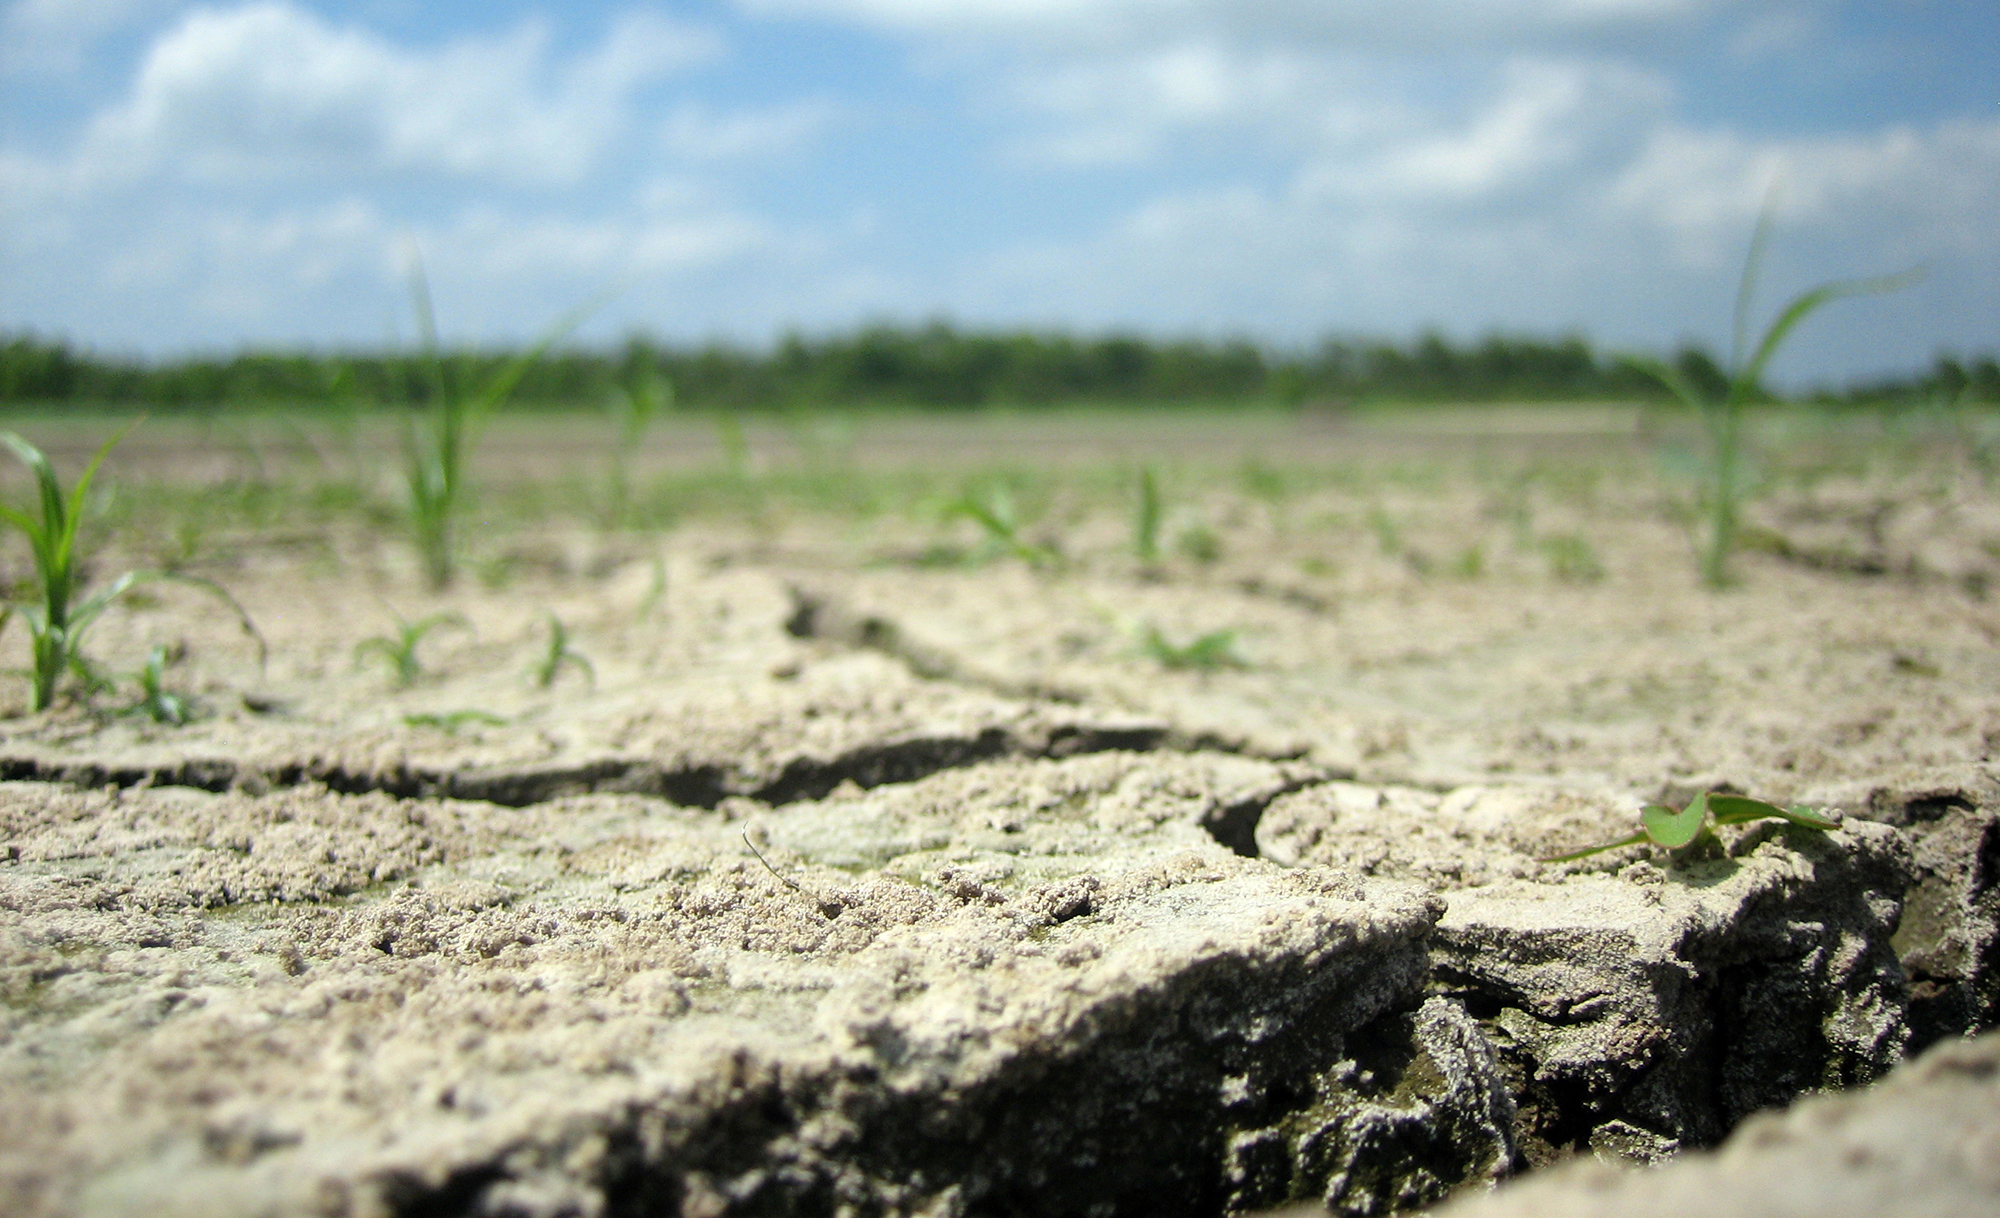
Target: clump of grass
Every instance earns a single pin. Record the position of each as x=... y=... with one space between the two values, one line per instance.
x=435 y=450
x=557 y=655
x=1146 y=516
x=1722 y=416
x=1677 y=829
x=994 y=513
x=400 y=651
x=59 y=615
x=1206 y=653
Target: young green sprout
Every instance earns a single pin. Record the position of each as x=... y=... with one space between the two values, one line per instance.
x=435 y=452
x=994 y=514
x=559 y=653
x=1216 y=649
x=400 y=652
x=1146 y=518
x=450 y=722
x=1722 y=417
x=634 y=406
x=1675 y=829
x=156 y=701
x=59 y=616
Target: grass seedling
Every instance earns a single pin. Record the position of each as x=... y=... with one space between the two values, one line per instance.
x=1199 y=543
x=1722 y=417
x=436 y=449
x=156 y=701
x=994 y=514
x=1676 y=829
x=59 y=616
x=557 y=654
x=1572 y=559
x=400 y=652
x=1211 y=651
x=451 y=721
x=633 y=406
x=1146 y=519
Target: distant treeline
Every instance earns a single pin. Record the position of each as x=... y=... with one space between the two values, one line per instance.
x=935 y=366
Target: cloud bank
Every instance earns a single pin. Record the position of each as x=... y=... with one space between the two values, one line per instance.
x=257 y=172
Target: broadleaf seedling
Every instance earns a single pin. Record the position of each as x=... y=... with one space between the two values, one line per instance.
x=1677 y=828
x=58 y=617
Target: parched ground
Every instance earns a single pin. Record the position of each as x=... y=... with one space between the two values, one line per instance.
x=861 y=863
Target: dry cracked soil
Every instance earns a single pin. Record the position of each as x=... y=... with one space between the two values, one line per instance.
x=861 y=866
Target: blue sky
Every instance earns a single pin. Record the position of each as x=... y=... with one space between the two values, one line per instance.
x=179 y=177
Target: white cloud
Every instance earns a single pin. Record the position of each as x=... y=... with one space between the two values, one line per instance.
x=1429 y=23
x=1929 y=191
x=696 y=132
x=1570 y=196
x=1548 y=122
x=268 y=90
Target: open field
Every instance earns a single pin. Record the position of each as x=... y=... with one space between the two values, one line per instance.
x=756 y=830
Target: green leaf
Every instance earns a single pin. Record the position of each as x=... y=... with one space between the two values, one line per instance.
x=1675 y=829
x=1799 y=814
x=1738 y=810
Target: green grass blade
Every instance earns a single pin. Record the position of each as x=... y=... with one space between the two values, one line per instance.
x=1585 y=853
x=1671 y=377
x=1804 y=305
x=1146 y=527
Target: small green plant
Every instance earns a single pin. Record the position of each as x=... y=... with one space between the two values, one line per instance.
x=156 y=701
x=451 y=721
x=557 y=654
x=1388 y=538
x=400 y=652
x=633 y=406
x=1722 y=415
x=1211 y=651
x=656 y=591
x=1146 y=518
x=735 y=444
x=435 y=451
x=1470 y=563
x=1572 y=559
x=1199 y=543
x=59 y=616
x=1676 y=829
x=994 y=514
